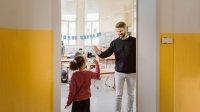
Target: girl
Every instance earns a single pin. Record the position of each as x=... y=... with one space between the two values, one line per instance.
x=79 y=90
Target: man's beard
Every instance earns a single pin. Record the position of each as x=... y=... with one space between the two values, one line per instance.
x=122 y=35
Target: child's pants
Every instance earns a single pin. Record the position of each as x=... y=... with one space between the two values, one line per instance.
x=81 y=106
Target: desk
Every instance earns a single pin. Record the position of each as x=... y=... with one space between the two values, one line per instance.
x=106 y=60
x=66 y=60
x=88 y=65
x=107 y=71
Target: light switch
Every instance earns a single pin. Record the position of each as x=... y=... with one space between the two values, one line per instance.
x=167 y=40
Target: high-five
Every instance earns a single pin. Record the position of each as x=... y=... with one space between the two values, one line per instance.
x=95 y=49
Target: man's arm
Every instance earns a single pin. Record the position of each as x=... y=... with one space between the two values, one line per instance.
x=103 y=54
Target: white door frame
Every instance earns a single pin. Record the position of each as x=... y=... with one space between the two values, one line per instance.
x=147 y=61
x=56 y=26
x=148 y=89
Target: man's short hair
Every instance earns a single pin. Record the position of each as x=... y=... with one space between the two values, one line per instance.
x=120 y=24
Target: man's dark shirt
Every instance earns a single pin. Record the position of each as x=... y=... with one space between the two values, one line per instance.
x=125 y=54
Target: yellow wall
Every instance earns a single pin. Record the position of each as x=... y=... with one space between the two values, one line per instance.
x=180 y=73
x=26 y=70
x=166 y=75
x=187 y=73
x=180 y=61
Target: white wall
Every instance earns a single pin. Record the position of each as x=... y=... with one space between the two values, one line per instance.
x=166 y=20
x=24 y=15
x=7 y=18
x=188 y=19
x=112 y=12
x=32 y=14
x=68 y=7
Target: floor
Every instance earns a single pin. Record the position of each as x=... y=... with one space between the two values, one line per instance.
x=102 y=99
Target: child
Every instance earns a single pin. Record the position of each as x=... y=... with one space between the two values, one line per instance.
x=79 y=90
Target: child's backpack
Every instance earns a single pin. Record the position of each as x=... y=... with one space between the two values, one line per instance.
x=64 y=76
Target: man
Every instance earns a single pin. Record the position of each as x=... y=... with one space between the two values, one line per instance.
x=124 y=49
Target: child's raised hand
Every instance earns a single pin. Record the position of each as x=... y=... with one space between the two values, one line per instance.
x=95 y=61
x=66 y=107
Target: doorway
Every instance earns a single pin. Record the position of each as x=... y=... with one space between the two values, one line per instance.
x=92 y=22
x=148 y=80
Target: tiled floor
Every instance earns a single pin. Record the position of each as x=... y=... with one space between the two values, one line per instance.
x=102 y=99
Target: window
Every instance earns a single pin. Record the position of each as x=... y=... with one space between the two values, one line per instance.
x=92 y=28
x=69 y=29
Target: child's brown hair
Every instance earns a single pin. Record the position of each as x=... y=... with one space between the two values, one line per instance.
x=77 y=63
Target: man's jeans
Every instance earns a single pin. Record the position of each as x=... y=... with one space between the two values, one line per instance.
x=130 y=79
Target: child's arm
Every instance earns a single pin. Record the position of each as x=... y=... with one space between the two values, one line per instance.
x=96 y=74
x=72 y=90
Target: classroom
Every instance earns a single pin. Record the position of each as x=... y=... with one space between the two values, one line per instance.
x=91 y=23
